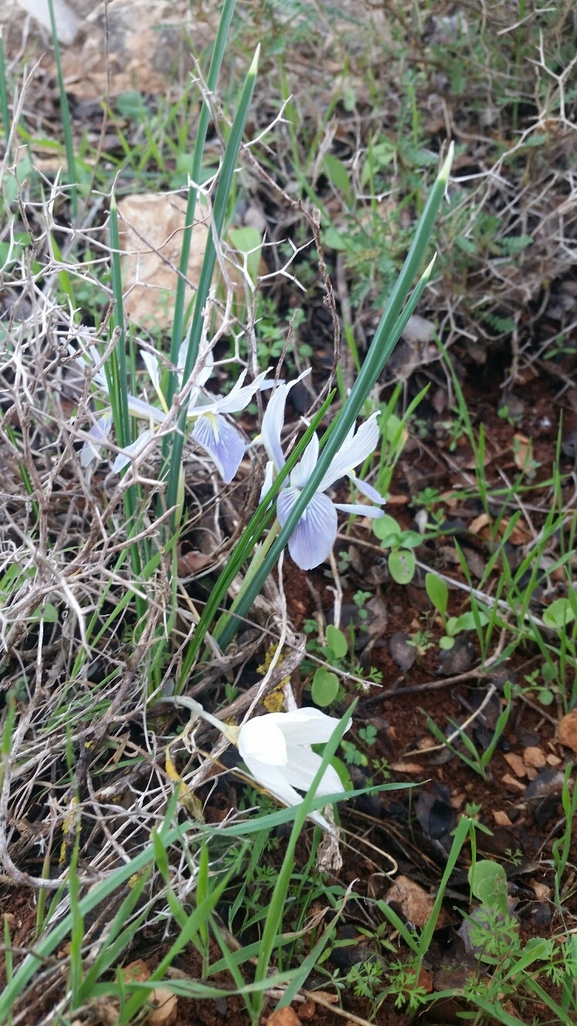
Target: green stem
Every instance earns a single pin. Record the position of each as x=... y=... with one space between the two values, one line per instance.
x=65 y=113
x=4 y=92
x=386 y=337
x=255 y=564
x=221 y=199
x=195 y=175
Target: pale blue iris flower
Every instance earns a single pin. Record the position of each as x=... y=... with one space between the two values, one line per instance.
x=223 y=442
x=314 y=535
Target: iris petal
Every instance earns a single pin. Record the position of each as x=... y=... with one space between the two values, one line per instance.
x=354 y=450
x=268 y=481
x=304 y=468
x=223 y=443
x=145 y=411
x=127 y=454
x=314 y=535
x=272 y=779
x=304 y=726
x=366 y=489
x=204 y=356
x=97 y=439
x=272 y=423
x=262 y=739
x=273 y=420
x=151 y=364
x=358 y=510
x=303 y=766
x=240 y=396
x=89 y=359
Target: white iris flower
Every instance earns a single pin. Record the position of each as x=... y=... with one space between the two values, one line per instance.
x=315 y=533
x=276 y=749
x=223 y=442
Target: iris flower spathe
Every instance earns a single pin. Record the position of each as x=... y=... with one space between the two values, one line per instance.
x=314 y=535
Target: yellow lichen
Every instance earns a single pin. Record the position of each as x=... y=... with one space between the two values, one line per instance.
x=274 y=701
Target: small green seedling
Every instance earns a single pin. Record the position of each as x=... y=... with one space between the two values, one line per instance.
x=562 y=846
x=548 y=674
x=476 y=760
x=559 y=614
x=354 y=756
x=401 y=560
x=488 y=883
x=438 y=594
x=325 y=684
x=493 y=932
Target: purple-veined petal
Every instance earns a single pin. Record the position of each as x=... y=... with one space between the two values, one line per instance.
x=314 y=536
x=130 y=451
x=262 y=739
x=353 y=451
x=301 y=473
x=97 y=439
x=358 y=510
x=222 y=441
x=366 y=489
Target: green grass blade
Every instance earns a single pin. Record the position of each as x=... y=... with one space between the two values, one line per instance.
x=194 y=922
x=76 y=933
x=221 y=200
x=4 y=92
x=118 y=936
x=65 y=114
x=459 y=837
x=386 y=337
x=274 y=819
x=274 y=920
x=101 y=892
x=203 y=123
x=241 y=553
x=116 y=370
